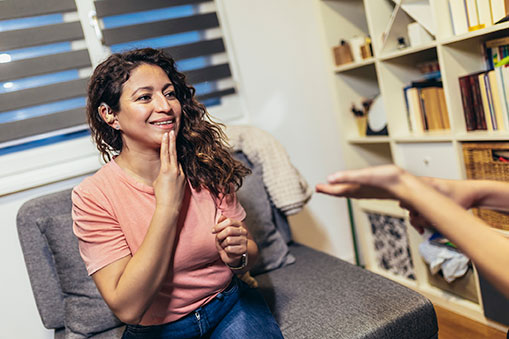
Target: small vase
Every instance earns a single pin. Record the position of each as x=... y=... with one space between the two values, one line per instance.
x=362 y=124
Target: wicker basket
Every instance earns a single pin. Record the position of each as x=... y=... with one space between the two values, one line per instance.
x=482 y=163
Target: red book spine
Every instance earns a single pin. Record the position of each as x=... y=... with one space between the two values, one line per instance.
x=477 y=100
x=466 y=100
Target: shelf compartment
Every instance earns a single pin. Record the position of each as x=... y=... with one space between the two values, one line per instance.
x=355 y=85
x=464 y=287
x=345 y=19
x=395 y=75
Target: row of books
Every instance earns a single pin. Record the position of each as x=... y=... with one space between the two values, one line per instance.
x=496 y=52
x=471 y=15
x=426 y=107
x=485 y=95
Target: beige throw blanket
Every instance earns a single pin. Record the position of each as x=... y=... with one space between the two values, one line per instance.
x=287 y=188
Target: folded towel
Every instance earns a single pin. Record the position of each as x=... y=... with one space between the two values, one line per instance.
x=453 y=264
x=287 y=188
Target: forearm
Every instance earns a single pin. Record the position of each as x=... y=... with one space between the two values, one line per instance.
x=143 y=275
x=490 y=194
x=488 y=249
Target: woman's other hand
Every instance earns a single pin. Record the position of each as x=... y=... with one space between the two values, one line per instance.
x=169 y=185
x=231 y=240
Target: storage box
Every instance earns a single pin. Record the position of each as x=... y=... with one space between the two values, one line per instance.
x=463 y=287
x=485 y=160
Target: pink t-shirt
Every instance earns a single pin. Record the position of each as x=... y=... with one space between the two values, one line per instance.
x=112 y=213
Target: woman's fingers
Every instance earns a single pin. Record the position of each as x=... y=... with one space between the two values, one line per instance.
x=336 y=189
x=235 y=250
x=165 y=159
x=173 y=148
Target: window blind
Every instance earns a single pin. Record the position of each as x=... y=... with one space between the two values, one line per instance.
x=45 y=64
x=192 y=38
x=42 y=58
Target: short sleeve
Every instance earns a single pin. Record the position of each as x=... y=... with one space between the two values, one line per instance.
x=230 y=207
x=101 y=240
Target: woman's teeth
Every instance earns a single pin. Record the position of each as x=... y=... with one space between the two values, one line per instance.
x=164 y=122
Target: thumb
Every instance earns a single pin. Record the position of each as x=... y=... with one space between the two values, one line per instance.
x=221 y=218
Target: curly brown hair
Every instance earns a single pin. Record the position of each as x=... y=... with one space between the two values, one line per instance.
x=202 y=149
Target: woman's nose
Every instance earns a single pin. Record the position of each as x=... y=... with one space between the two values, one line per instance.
x=162 y=104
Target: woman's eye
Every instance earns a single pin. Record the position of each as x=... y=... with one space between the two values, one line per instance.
x=143 y=97
x=170 y=94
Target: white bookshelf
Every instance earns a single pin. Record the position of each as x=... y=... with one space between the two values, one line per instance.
x=436 y=154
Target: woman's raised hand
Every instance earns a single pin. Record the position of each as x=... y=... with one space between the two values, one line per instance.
x=169 y=185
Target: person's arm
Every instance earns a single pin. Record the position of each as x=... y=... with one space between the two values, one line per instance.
x=232 y=241
x=488 y=249
x=474 y=193
x=129 y=285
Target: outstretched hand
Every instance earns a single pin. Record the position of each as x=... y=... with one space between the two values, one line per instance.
x=231 y=240
x=379 y=182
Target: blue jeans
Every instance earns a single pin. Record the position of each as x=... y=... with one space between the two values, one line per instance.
x=237 y=312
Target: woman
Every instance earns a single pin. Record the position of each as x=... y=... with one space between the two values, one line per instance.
x=440 y=204
x=159 y=226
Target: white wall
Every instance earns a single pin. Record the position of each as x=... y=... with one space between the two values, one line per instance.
x=284 y=82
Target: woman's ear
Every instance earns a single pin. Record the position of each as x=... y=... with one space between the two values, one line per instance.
x=108 y=115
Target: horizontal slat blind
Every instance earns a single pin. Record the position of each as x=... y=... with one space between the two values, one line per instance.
x=11 y=9
x=40 y=35
x=41 y=91
x=196 y=49
x=154 y=29
x=42 y=95
x=115 y=7
x=39 y=125
x=44 y=64
x=207 y=73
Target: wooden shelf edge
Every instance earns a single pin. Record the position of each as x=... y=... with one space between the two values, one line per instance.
x=354 y=65
x=369 y=140
x=408 y=51
x=474 y=34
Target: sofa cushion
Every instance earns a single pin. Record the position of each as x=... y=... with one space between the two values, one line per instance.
x=321 y=296
x=85 y=311
x=273 y=249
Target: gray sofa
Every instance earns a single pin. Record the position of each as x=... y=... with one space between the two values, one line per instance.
x=318 y=296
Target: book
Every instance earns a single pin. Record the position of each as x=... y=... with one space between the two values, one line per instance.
x=491 y=122
x=458 y=14
x=472 y=15
x=414 y=111
x=466 y=101
x=477 y=102
x=435 y=114
x=505 y=92
x=444 y=113
x=497 y=90
x=499 y=10
x=484 y=11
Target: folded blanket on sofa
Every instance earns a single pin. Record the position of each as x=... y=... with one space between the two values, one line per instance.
x=287 y=188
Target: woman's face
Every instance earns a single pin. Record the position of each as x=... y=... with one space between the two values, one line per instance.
x=148 y=108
